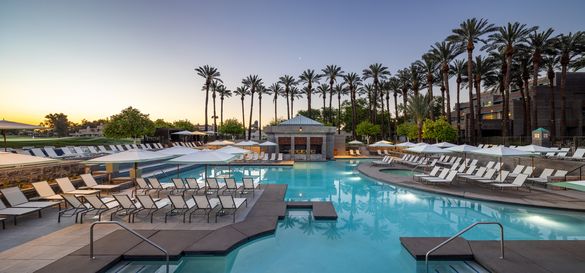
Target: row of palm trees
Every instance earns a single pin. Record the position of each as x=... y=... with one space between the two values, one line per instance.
x=512 y=56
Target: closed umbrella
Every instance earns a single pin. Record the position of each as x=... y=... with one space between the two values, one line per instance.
x=11 y=125
x=212 y=157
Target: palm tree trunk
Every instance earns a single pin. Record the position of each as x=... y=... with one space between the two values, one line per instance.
x=458 y=110
x=523 y=97
x=251 y=112
x=383 y=113
x=221 y=112
x=206 y=105
x=330 y=113
x=563 y=99
x=443 y=101
x=536 y=68
x=287 y=103
x=339 y=113
x=479 y=124
x=528 y=113
x=275 y=107
x=446 y=82
x=243 y=117
x=507 y=79
x=292 y=105
x=214 y=116
x=553 y=125
x=404 y=102
x=420 y=130
x=353 y=114
x=430 y=91
x=259 y=117
x=471 y=133
x=389 y=115
x=324 y=106
x=396 y=105
x=375 y=96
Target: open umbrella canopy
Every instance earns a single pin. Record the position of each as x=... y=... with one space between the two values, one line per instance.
x=131 y=156
x=177 y=150
x=502 y=151
x=227 y=142
x=10 y=159
x=381 y=145
x=421 y=143
x=11 y=125
x=464 y=148
x=197 y=133
x=405 y=144
x=384 y=141
x=444 y=145
x=267 y=144
x=427 y=149
x=536 y=149
x=216 y=143
x=204 y=157
x=247 y=143
x=355 y=142
x=183 y=133
x=233 y=150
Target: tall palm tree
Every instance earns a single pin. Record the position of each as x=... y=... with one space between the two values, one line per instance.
x=339 y=90
x=322 y=91
x=276 y=90
x=523 y=74
x=484 y=68
x=210 y=74
x=552 y=62
x=568 y=47
x=309 y=77
x=539 y=42
x=353 y=81
x=429 y=65
x=418 y=108
x=288 y=82
x=295 y=93
x=395 y=85
x=242 y=91
x=253 y=82
x=458 y=67
x=376 y=72
x=261 y=90
x=368 y=89
x=223 y=94
x=332 y=72
x=214 y=86
x=445 y=52
x=509 y=37
x=469 y=33
x=404 y=77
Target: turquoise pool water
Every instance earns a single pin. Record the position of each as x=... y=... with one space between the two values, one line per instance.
x=397 y=172
x=372 y=217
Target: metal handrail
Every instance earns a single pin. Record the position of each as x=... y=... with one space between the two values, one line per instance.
x=461 y=233
x=129 y=230
x=580 y=168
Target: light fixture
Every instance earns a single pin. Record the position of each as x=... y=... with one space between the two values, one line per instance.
x=300 y=129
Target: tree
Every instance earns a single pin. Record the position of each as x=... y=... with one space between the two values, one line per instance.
x=309 y=77
x=232 y=127
x=288 y=82
x=439 y=130
x=483 y=69
x=322 y=91
x=252 y=82
x=210 y=74
x=242 y=91
x=468 y=34
x=445 y=52
x=376 y=72
x=568 y=47
x=353 y=81
x=418 y=108
x=552 y=61
x=223 y=94
x=184 y=125
x=276 y=90
x=261 y=90
x=539 y=43
x=429 y=65
x=339 y=90
x=366 y=129
x=295 y=93
x=332 y=72
x=130 y=123
x=58 y=122
x=458 y=67
x=407 y=129
x=161 y=123
x=404 y=80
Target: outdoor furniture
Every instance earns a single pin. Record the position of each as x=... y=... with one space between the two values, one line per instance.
x=90 y=183
x=148 y=204
x=543 y=177
x=212 y=186
x=45 y=192
x=180 y=186
x=68 y=188
x=433 y=173
x=444 y=172
x=17 y=199
x=74 y=205
x=38 y=152
x=180 y=206
x=487 y=176
x=447 y=180
x=469 y=171
x=357 y=152
x=230 y=205
x=248 y=185
x=230 y=185
x=97 y=206
x=478 y=174
x=141 y=185
x=126 y=205
x=194 y=185
x=158 y=187
x=500 y=178
x=206 y=205
x=16 y=212
x=516 y=184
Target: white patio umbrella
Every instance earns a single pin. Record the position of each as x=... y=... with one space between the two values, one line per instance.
x=227 y=142
x=207 y=158
x=355 y=142
x=177 y=150
x=233 y=150
x=183 y=133
x=444 y=145
x=502 y=151
x=421 y=143
x=216 y=143
x=247 y=143
x=536 y=149
x=11 y=125
x=10 y=159
x=267 y=144
x=197 y=133
x=405 y=144
x=381 y=145
x=463 y=148
x=131 y=156
x=427 y=149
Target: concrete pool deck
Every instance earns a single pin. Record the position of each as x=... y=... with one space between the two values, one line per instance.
x=537 y=197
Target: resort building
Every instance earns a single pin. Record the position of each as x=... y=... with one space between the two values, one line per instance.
x=492 y=103
x=302 y=138
x=88 y=131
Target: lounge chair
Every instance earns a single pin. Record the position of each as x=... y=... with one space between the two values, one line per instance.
x=180 y=186
x=379 y=152
x=273 y=157
x=142 y=186
x=114 y=148
x=126 y=206
x=103 y=150
x=147 y=203
x=444 y=172
x=45 y=192
x=546 y=173
x=97 y=206
x=17 y=199
x=386 y=152
x=158 y=187
x=351 y=152
x=90 y=183
x=206 y=205
x=229 y=204
x=469 y=171
x=279 y=157
x=386 y=161
x=265 y=158
x=516 y=184
x=486 y=176
x=92 y=150
x=517 y=170
x=212 y=186
x=143 y=147
x=16 y=212
x=135 y=147
x=180 y=206
x=577 y=155
x=473 y=162
x=357 y=152
x=74 y=206
x=248 y=186
x=500 y=178
x=148 y=146
x=128 y=147
x=478 y=174
x=230 y=185
x=38 y=152
x=68 y=188
x=447 y=180
x=433 y=173
x=52 y=153
x=80 y=151
x=121 y=148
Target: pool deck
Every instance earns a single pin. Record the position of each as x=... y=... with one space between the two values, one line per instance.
x=520 y=256
x=66 y=249
x=537 y=197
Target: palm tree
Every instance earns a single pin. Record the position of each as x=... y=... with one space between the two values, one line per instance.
x=376 y=72
x=539 y=42
x=322 y=91
x=261 y=90
x=210 y=74
x=510 y=38
x=214 y=86
x=309 y=77
x=288 y=82
x=484 y=68
x=295 y=93
x=386 y=88
x=395 y=85
x=429 y=65
x=253 y=82
x=242 y=91
x=445 y=52
x=568 y=47
x=522 y=65
x=458 y=67
x=276 y=90
x=404 y=77
x=418 y=108
x=223 y=94
x=368 y=90
x=469 y=33
x=332 y=72
x=552 y=61
x=339 y=90
x=353 y=81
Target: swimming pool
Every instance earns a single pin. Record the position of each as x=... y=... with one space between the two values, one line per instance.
x=372 y=217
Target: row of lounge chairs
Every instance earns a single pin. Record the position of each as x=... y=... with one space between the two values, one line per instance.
x=382 y=152
x=188 y=144
x=560 y=153
x=86 y=151
x=261 y=157
x=355 y=152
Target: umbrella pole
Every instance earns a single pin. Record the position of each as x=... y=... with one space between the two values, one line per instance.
x=178 y=171
x=205 y=171
x=4 y=135
x=135 y=170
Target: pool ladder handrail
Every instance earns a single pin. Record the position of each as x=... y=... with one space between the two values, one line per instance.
x=461 y=233
x=91 y=256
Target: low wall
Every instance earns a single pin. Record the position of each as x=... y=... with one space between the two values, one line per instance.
x=16 y=176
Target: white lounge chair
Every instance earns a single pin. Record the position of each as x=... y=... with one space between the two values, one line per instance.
x=17 y=199
x=16 y=212
x=68 y=188
x=500 y=178
x=45 y=192
x=147 y=203
x=516 y=184
x=229 y=204
x=447 y=180
x=543 y=177
x=90 y=183
x=38 y=152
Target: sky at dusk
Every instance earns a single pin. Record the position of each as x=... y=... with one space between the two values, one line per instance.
x=90 y=59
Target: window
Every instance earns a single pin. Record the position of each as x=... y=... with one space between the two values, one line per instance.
x=284 y=145
x=300 y=145
x=316 y=145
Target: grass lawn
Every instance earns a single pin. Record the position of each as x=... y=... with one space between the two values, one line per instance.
x=20 y=141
